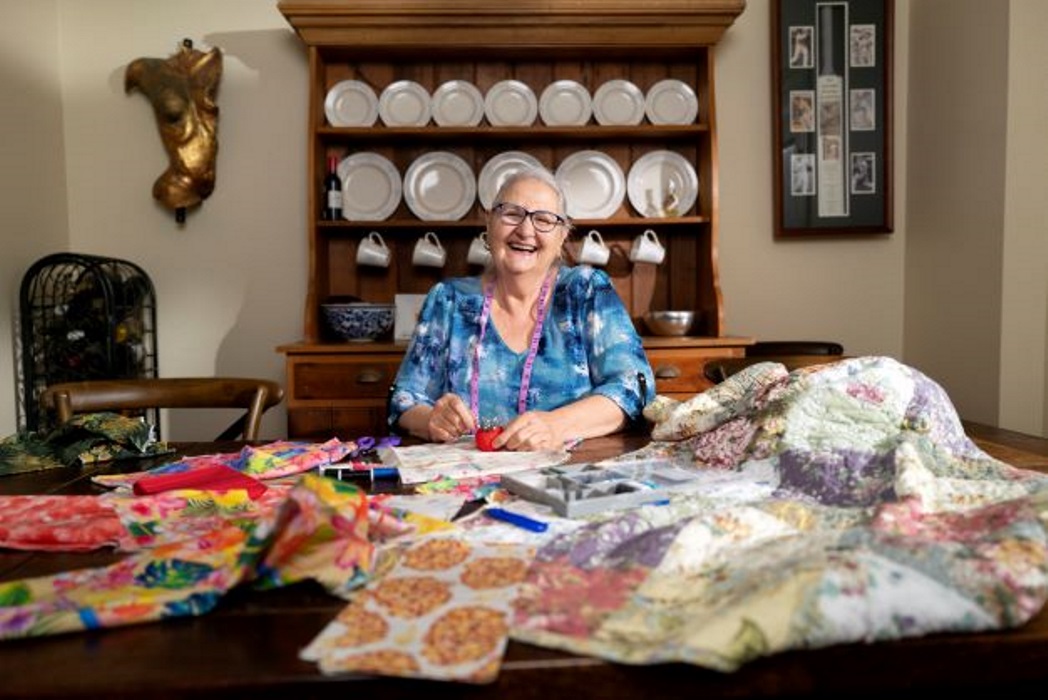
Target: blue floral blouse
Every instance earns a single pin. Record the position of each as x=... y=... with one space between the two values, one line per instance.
x=588 y=347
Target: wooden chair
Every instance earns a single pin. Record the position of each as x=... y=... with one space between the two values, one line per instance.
x=255 y=396
x=791 y=353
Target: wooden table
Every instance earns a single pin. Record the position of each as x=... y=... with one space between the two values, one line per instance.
x=249 y=645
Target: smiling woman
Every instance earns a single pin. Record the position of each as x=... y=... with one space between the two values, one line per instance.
x=544 y=351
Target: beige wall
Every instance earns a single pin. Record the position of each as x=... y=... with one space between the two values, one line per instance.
x=956 y=160
x=851 y=290
x=230 y=282
x=1024 y=302
x=33 y=192
x=977 y=243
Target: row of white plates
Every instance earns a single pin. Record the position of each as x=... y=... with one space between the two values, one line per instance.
x=440 y=186
x=510 y=103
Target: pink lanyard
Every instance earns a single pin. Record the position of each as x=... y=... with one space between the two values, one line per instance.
x=529 y=361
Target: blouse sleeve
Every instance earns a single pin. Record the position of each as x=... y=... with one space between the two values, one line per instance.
x=619 y=367
x=423 y=374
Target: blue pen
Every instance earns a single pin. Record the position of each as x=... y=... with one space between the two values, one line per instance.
x=354 y=473
x=516 y=519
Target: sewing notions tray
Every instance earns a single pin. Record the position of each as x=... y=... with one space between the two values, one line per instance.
x=575 y=490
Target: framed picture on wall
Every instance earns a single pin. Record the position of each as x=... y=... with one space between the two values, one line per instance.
x=832 y=132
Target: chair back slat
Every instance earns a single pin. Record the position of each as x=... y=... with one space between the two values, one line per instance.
x=255 y=396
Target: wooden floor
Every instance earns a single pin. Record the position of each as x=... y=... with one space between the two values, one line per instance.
x=1018 y=449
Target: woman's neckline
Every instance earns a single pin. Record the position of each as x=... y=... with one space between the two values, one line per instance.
x=514 y=313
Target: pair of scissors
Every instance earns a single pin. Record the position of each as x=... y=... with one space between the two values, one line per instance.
x=367 y=447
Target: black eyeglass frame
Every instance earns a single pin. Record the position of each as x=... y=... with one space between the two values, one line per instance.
x=500 y=209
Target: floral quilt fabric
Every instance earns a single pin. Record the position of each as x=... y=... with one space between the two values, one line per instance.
x=854 y=509
x=318 y=530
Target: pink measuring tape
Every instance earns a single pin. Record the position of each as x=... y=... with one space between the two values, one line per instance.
x=529 y=361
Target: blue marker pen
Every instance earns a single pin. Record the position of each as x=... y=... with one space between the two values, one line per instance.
x=516 y=519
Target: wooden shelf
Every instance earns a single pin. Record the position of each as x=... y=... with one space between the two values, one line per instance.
x=537 y=42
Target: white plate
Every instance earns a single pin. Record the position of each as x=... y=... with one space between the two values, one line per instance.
x=618 y=103
x=371 y=187
x=662 y=184
x=439 y=186
x=671 y=102
x=510 y=103
x=457 y=103
x=565 y=103
x=497 y=169
x=593 y=184
x=404 y=103
x=351 y=103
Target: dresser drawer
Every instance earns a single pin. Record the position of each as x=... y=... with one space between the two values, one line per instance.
x=335 y=378
x=320 y=424
x=679 y=371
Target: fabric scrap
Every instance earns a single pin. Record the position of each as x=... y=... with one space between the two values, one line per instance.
x=319 y=532
x=215 y=477
x=442 y=612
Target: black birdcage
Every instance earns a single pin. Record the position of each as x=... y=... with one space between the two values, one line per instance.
x=82 y=317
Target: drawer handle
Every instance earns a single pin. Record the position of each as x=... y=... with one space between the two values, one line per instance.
x=664 y=372
x=369 y=376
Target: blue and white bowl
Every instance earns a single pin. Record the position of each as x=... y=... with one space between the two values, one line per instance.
x=359 y=321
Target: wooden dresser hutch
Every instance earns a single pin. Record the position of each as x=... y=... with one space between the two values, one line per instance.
x=339 y=388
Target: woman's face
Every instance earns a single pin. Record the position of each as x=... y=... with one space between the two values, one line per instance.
x=517 y=249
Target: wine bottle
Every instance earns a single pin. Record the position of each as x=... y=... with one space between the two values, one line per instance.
x=332 y=209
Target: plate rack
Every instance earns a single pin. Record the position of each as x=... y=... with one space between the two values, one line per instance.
x=510 y=54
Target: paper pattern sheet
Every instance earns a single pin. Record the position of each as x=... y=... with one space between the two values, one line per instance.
x=462 y=460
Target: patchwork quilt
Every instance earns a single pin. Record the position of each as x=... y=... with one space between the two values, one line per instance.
x=843 y=503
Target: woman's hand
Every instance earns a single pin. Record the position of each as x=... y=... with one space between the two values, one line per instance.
x=534 y=430
x=450 y=419
x=588 y=417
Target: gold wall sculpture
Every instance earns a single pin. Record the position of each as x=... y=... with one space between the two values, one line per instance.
x=182 y=90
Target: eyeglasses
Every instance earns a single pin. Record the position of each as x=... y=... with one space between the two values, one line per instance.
x=543 y=221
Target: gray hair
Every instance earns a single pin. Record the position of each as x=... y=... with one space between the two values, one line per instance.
x=544 y=176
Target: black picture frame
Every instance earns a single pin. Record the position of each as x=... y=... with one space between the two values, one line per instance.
x=832 y=98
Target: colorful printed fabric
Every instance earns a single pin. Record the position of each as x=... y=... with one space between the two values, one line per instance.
x=172 y=516
x=390 y=518
x=468 y=489
x=84 y=439
x=318 y=532
x=861 y=512
x=60 y=523
x=321 y=533
x=183 y=578
x=589 y=346
x=270 y=461
x=441 y=612
x=214 y=478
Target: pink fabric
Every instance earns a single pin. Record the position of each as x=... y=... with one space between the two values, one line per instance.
x=214 y=477
x=60 y=523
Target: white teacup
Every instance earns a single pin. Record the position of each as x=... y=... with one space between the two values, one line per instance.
x=479 y=252
x=647 y=248
x=593 y=251
x=428 y=251
x=373 y=251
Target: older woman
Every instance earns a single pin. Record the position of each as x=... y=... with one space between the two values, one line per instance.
x=545 y=351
